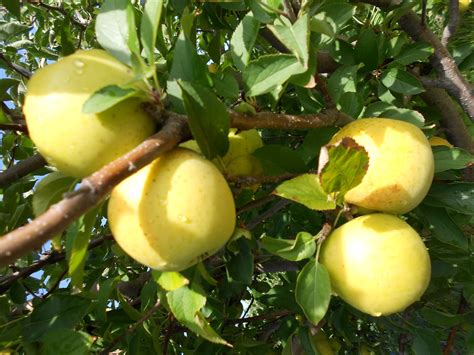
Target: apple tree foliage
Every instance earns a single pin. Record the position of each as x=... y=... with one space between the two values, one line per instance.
x=265 y=292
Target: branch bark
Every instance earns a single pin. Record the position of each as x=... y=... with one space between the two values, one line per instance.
x=21 y=169
x=93 y=189
x=14 y=127
x=441 y=60
x=451 y=119
x=289 y=122
x=97 y=186
x=453 y=22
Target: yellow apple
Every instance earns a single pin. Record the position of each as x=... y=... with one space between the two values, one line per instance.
x=377 y=263
x=464 y=5
x=174 y=212
x=238 y=159
x=322 y=344
x=401 y=164
x=438 y=141
x=76 y=143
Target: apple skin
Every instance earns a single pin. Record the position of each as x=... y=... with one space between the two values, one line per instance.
x=377 y=263
x=238 y=159
x=76 y=143
x=401 y=165
x=438 y=141
x=174 y=212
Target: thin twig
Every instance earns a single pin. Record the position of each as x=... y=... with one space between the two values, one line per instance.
x=268 y=316
x=60 y=10
x=131 y=329
x=7 y=281
x=14 y=127
x=169 y=331
x=323 y=88
x=15 y=67
x=453 y=22
x=267 y=214
x=249 y=180
x=56 y=284
x=452 y=334
x=21 y=169
x=256 y=203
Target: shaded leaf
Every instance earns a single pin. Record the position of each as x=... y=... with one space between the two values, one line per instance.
x=443 y=227
x=451 y=158
x=405 y=114
x=456 y=196
x=50 y=190
x=56 y=313
x=66 y=341
x=208 y=119
x=415 y=52
x=366 y=49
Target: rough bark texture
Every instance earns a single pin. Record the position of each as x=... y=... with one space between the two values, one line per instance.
x=21 y=169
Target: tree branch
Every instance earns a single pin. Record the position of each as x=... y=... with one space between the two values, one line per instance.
x=14 y=127
x=249 y=180
x=15 y=67
x=452 y=334
x=7 y=281
x=97 y=186
x=21 y=169
x=267 y=214
x=289 y=122
x=451 y=119
x=453 y=22
x=442 y=61
x=93 y=189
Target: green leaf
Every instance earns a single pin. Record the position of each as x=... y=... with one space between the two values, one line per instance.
x=343 y=80
x=415 y=52
x=342 y=166
x=131 y=312
x=240 y=265
x=115 y=30
x=269 y=72
x=456 y=196
x=226 y=85
x=67 y=41
x=5 y=85
x=426 y=342
x=351 y=103
x=302 y=247
x=439 y=318
x=187 y=66
x=107 y=97
x=295 y=37
x=443 y=227
x=78 y=253
x=366 y=49
x=260 y=13
x=13 y=6
x=10 y=29
x=186 y=303
x=451 y=158
x=208 y=119
x=169 y=280
x=376 y=109
x=56 y=313
x=313 y=291
x=149 y=27
x=243 y=40
x=402 y=82
x=277 y=159
x=335 y=14
x=66 y=341
x=50 y=190
x=405 y=114
x=306 y=189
